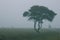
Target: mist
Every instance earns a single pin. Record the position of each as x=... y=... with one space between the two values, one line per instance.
x=11 y=12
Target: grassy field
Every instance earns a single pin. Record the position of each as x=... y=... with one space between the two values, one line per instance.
x=28 y=34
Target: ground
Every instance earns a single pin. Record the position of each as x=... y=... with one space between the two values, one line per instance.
x=28 y=34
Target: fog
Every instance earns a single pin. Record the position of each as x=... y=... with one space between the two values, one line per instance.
x=11 y=12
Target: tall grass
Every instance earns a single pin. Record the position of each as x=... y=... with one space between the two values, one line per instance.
x=27 y=34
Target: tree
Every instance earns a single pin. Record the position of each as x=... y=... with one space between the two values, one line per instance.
x=38 y=14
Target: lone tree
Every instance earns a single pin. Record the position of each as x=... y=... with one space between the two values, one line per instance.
x=38 y=14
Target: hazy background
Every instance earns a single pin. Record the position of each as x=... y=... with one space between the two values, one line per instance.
x=11 y=12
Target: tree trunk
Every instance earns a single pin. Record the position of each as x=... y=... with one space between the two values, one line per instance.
x=35 y=26
x=41 y=25
x=38 y=26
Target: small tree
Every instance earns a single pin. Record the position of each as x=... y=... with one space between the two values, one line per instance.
x=38 y=14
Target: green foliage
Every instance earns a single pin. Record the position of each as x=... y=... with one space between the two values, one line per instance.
x=25 y=14
x=39 y=13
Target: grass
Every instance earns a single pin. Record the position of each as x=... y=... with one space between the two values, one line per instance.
x=27 y=34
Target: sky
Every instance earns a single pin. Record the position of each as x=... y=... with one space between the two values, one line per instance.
x=11 y=12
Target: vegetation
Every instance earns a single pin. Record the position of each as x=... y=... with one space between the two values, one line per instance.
x=28 y=34
x=38 y=14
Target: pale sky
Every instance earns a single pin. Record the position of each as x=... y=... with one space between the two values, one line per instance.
x=11 y=12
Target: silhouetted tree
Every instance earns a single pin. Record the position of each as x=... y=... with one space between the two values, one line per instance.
x=38 y=14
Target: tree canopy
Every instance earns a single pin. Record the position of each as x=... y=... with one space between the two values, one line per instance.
x=38 y=14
